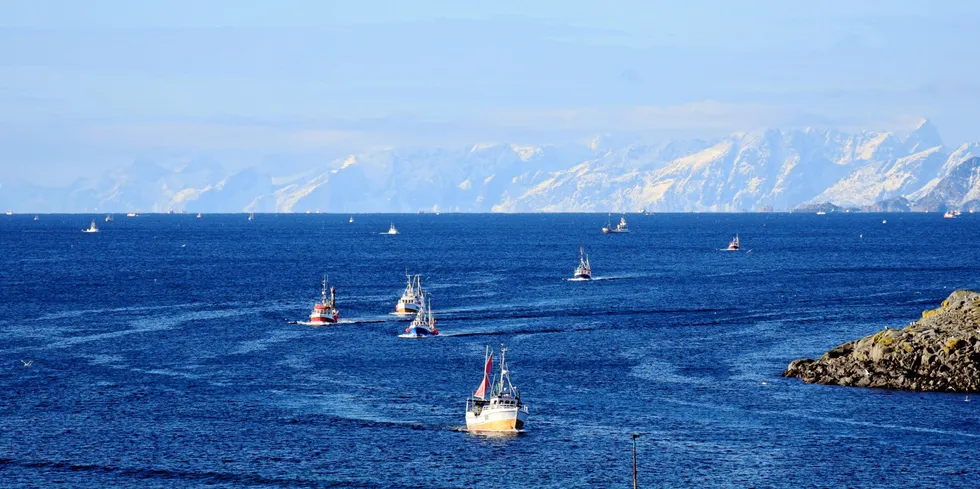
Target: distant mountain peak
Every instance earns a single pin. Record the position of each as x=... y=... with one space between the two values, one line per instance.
x=924 y=136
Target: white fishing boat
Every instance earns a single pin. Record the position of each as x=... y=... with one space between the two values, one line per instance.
x=411 y=299
x=36 y=217
x=10 y=213
x=734 y=244
x=619 y=229
x=496 y=405
x=584 y=270
x=392 y=229
x=251 y=216
x=351 y=220
x=198 y=215
x=108 y=218
x=821 y=213
x=132 y=214
x=949 y=215
x=424 y=325
x=325 y=312
x=92 y=228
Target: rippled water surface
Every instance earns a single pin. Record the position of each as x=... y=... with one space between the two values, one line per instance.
x=164 y=356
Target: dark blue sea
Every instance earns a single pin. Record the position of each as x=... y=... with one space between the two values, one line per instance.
x=165 y=351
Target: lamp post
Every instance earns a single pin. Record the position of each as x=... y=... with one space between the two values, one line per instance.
x=635 y=436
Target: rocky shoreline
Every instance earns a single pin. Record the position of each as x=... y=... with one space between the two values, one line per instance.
x=939 y=352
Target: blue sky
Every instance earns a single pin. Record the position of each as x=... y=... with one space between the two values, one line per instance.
x=89 y=85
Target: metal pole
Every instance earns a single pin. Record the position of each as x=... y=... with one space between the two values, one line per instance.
x=635 y=436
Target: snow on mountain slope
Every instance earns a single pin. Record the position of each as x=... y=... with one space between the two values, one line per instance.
x=880 y=180
x=765 y=169
x=958 y=187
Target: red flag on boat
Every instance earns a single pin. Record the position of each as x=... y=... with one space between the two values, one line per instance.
x=481 y=392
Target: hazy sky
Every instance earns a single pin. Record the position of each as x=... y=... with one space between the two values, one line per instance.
x=89 y=85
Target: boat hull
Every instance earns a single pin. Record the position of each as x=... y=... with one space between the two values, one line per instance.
x=322 y=321
x=583 y=276
x=496 y=420
x=406 y=308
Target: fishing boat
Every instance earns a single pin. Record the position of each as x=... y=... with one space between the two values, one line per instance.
x=734 y=244
x=496 y=405
x=132 y=214
x=198 y=215
x=584 y=269
x=424 y=325
x=351 y=220
x=251 y=216
x=108 y=218
x=620 y=228
x=325 y=312
x=36 y=218
x=392 y=229
x=411 y=300
x=10 y=213
x=92 y=228
x=949 y=215
x=821 y=213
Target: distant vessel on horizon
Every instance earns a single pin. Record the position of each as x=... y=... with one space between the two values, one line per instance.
x=392 y=229
x=108 y=218
x=496 y=405
x=821 y=213
x=584 y=269
x=36 y=218
x=92 y=228
x=198 y=215
x=10 y=213
x=251 y=216
x=132 y=214
x=620 y=228
x=351 y=219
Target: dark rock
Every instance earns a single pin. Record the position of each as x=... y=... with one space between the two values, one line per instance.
x=898 y=204
x=939 y=352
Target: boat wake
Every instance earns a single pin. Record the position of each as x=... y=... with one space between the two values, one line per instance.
x=488 y=434
x=338 y=323
x=597 y=279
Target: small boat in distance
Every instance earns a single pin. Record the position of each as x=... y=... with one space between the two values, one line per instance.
x=92 y=228
x=411 y=299
x=351 y=220
x=496 y=405
x=734 y=244
x=10 y=213
x=251 y=216
x=424 y=325
x=198 y=215
x=584 y=270
x=949 y=215
x=620 y=228
x=392 y=229
x=36 y=218
x=821 y=213
x=325 y=311
x=108 y=218
x=132 y=214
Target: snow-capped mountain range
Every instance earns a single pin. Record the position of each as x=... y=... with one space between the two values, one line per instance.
x=756 y=171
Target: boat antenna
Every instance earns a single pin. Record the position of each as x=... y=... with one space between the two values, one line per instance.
x=635 y=436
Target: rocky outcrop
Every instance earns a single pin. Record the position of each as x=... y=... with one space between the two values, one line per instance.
x=823 y=207
x=939 y=352
x=898 y=204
